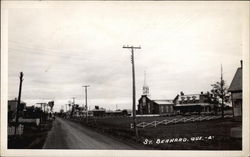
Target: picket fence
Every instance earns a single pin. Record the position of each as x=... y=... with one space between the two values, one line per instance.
x=177 y=120
x=19 y=130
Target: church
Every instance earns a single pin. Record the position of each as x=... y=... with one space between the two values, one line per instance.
x=148 y=106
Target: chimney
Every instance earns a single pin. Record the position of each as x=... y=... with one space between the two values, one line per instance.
x=241 y=63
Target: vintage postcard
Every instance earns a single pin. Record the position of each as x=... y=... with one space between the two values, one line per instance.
x=127 y=78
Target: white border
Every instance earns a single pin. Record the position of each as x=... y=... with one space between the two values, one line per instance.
x=4 y=82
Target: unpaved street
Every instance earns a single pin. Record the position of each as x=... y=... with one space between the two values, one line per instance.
x=69 y=135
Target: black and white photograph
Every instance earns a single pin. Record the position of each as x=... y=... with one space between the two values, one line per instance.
x=155 y=76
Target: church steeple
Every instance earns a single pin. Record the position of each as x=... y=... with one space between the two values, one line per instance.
x=145 y=88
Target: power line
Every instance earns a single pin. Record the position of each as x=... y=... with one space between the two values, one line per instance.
x=57 y=53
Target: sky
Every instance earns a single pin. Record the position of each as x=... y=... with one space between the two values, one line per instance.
x=60 y=48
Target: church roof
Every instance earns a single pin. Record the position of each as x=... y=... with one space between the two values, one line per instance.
x=163 y=102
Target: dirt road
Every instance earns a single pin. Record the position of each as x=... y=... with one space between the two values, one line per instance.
x=69 y=135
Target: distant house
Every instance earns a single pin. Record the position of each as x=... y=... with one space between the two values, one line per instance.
x=78 y=111
x=193 y=103
x=32 y=112
x=148 y=106
x=116 y=113
x=236 y=92
x=98 y=112
x=12 y=108
x=12 y=105
x=129 y=112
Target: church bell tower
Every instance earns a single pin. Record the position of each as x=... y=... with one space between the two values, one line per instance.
x=145 y=88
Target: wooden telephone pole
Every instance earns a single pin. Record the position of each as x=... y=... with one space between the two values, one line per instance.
x=66 y=107
x=133 y=86
x=42 y=116
x=86 y=100
x=222 y=92
x=74 y=100
x=19 y=99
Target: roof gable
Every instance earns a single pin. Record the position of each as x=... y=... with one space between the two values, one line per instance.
x=189 y=97
x=236 y=84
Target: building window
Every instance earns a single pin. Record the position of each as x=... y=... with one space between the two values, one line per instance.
x=148 y=107
x=162 y=109
x=141 y=109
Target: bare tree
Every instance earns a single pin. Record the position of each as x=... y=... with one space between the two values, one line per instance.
x=220 y=95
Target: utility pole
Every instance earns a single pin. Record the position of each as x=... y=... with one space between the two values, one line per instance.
x=133 y=78
x=19 y=99
x=42 y=116
x=74 y=100
x=69 y=103
x=222 y=92
x=73 y=107
x=45 y=115
x=42 y=106
x=47 y=108
x=86 y=100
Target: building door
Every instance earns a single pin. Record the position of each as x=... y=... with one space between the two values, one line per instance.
x=237 y=107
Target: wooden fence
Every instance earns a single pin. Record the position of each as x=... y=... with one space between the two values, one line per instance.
x=19 y=130
x=177 y=120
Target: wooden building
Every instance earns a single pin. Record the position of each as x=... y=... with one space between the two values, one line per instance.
x=193 y=103
x=236 y=92
x=148 y=106
x=98 y=112
x=12 y=108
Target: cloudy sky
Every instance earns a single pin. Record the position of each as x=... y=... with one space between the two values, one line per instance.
x=62 y=47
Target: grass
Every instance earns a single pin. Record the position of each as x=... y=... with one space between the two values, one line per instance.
x=217 y=131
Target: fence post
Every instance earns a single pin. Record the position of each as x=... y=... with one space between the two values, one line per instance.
x=131 y=126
